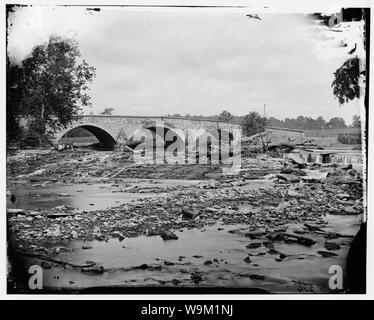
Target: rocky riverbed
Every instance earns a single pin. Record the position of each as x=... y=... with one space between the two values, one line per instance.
x=94 y=219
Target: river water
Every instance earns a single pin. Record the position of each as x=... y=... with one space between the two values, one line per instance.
x=216 y=253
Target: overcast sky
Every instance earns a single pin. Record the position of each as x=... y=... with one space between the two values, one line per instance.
x=154 y=62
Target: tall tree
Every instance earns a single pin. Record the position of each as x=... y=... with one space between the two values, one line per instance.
x=225 y=116
x=336 y=123
x=253 y=123
x=13 y=98
x=54 y=84
x=346 y=83
x=321 y=123
x=356 y=121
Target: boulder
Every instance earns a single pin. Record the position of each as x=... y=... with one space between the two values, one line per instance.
x=168 y=235
x=15 y=211
x=291 y=178
x=188 y=213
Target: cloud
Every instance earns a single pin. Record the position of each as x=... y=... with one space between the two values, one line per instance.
x=152 y=63
x=30 y=26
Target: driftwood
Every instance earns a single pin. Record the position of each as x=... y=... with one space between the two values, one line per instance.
x=257 y=135
x=124 y=168
x=128 y=148
x=300 y=239
x=284 y=145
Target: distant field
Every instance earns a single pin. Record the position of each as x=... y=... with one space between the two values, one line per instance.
x=330 y=133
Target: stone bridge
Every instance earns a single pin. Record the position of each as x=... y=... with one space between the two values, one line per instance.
x=113 y=130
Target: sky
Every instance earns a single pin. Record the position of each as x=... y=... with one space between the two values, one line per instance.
x=154 y=62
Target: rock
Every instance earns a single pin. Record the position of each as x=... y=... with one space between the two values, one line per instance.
x=343 y=196
x=305 y=241
x=46 y=265
x=189 y=213
x=61 y=249
x=119 y=235
x=327 y=254
x=86 y=247
x=94 y=269
x=254 y=245
x=208 y=262
x=349 y=210
x=291 y=178
x=33 y=213
x=287 y=170
x=53 y=232
x=58 y=215
x=175 y=281
x=299 y=231
x=254 y=234
x=168 y=235
x=74 y=234
x=247 y=260
x=331 y=246
x=15 y=211
x=256 y=277
x=297 y=160
x=196 y=277
x=292 y=193
x=312 y=227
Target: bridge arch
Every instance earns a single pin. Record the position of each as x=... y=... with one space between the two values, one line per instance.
x=165 y=130
x=104 y=137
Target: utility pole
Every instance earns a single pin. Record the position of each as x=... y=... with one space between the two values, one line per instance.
x=265 y=115
x=264 y=110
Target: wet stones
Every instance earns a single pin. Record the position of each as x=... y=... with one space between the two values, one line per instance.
x=290 y=178
x=196 y=277
x=95 y=268
x=256 y=277
x=168 y=235
x=255 y=234
x=53 y=231
x=254 y=245
x=11 y=211
x=327 y=254
x=297 y=161
x=331 y=246
x=189 y=214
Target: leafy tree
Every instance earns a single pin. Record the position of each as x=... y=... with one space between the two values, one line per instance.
x=225 y=116
x=320 y=122
x=274 y=122
x=345 y=85
x=13 y=97
x=356 y=121
x=107 y=111
x=336 y=123
x=253 y=123
x=54 y=84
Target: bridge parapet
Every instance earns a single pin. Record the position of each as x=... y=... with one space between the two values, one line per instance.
x=116 y=129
